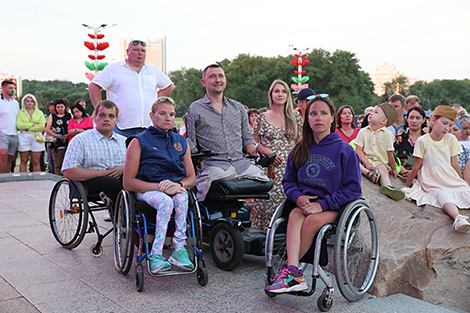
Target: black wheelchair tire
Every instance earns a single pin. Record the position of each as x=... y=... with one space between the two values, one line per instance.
x=68 y=213
x=124 y=232
x=356 y=250
x=227 y=246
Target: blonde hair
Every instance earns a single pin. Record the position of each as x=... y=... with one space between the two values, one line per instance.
x=290 y=120
x=23 y=105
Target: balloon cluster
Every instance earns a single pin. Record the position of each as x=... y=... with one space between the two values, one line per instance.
x=300 y=81
x=96 y=47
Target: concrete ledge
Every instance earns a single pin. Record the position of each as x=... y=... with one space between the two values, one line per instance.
x=28 y=176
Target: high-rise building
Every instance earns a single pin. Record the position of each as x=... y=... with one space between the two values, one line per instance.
x=387 y=73
x=156 y=51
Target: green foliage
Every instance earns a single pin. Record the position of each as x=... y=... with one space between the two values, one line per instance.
x=446 y=92
x=249 y=78
x=390 y=88
x=50 y=90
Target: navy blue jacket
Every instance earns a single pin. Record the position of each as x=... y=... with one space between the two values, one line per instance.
x=162 y=156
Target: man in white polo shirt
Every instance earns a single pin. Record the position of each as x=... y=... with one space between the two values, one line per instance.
x=131 y=84
x=9 y=109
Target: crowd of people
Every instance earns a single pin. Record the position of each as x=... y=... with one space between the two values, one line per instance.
x=321 y=151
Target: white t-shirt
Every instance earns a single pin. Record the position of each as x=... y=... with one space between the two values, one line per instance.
x=134 y=93
x=8 y=112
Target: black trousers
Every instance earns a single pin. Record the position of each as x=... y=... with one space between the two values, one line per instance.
x=109 y=185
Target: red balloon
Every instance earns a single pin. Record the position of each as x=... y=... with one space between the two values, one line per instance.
x=92 y=57
x=102 y=45
x=100 y=36
x=305 y=62
x=303 y=55
x=101 y=57
x=296 y=55
x=295 y=62
x=91 y=36
x=296 y=72
x=89 y=45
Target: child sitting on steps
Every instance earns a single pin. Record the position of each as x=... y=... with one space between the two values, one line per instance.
x=374 y=146
x=440 y=180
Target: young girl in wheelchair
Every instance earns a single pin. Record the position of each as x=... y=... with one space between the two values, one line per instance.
x=157 y=162
x=322 y=175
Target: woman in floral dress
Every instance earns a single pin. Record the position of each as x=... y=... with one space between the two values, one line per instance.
x=277 y=130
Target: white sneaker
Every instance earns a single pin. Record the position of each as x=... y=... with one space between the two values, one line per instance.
x=461 y=224
x=107 y=217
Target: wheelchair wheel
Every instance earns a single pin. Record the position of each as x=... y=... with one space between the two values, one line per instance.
x=124 y=232
x=202 y=276
x=227 y=246
x=279 y=249
x=68 y=213
x=356 y=250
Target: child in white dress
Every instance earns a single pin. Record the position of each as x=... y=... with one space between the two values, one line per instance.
x=440 y=180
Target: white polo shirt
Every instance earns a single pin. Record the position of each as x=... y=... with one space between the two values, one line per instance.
x=8 y=112
x=134 y=93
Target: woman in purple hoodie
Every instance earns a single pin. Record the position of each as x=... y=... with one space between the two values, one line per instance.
x=322 y=175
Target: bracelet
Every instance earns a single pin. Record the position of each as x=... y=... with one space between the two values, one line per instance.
x=180 y=183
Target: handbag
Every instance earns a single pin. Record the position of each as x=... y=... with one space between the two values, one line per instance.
x=40 y=137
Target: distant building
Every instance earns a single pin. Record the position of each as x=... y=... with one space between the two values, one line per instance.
x=156 y=51
x=386 y=73
x=16 y=80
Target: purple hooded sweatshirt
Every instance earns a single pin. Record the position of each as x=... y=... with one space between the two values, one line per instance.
x=331 y=172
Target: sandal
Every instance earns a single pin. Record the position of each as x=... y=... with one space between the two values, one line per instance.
x=373 y=176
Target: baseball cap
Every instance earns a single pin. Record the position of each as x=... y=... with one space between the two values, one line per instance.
x=304 y=93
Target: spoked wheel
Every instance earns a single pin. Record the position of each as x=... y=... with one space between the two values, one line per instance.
x=356 y=250
x=227 y=247
x=278 y=249
x=68 y=213
x=124 y=232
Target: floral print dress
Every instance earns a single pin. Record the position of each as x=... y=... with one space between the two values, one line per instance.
x=273 y=138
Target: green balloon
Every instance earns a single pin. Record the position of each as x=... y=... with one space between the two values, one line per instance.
x=90 y=66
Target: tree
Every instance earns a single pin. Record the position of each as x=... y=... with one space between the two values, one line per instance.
x=390 y=88
x=443 y=92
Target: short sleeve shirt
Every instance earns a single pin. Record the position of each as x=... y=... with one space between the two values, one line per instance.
x=8 y=112
x=375 y=144
x=92 y=150
x=134 y=93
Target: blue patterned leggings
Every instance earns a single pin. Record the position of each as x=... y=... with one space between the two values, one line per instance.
x=164 y=204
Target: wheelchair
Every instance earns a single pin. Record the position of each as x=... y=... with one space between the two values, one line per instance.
x=133 y=227
x=69 y=211
x=226 y=218
x=354 y=241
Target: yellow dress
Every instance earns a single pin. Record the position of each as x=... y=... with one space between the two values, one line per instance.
x=438 y=182
x=275 y=139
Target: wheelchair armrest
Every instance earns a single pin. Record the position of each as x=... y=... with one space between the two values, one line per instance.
x=266 y=160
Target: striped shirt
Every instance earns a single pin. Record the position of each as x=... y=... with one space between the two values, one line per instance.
x=92 y=150
x=225 y=133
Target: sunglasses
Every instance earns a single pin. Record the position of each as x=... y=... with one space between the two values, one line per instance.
x=318 y=97
x=137 y=42
x=164 y=99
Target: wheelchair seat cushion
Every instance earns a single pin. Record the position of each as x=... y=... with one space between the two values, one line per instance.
x=240 y=186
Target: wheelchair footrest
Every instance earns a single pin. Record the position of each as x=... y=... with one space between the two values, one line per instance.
x=254 y=241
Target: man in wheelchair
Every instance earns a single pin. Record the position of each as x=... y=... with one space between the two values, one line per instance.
x=322 y=175
x=96 y=157
x=220 y=124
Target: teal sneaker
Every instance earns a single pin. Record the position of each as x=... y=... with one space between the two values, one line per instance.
x=158 y=264
x=180 y=258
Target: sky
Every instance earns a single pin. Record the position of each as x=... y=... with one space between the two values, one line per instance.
x=424 y=39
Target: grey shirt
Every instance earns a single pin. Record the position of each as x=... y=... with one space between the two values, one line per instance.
x=227 y=133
